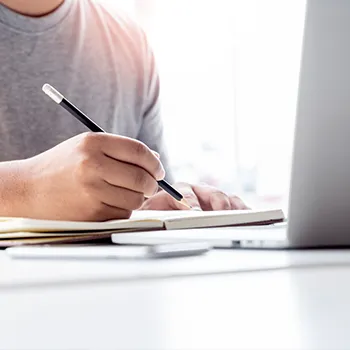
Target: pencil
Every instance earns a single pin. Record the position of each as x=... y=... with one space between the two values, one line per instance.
x=83 y=118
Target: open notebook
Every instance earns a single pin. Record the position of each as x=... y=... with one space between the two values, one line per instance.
x=140 y=220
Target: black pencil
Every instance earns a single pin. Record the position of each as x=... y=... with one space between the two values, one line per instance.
x=68 y=106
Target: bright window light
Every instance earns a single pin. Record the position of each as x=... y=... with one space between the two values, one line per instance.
x=229 y=76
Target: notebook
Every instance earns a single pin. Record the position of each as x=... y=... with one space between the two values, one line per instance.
x=145 y=220
x=87 y=238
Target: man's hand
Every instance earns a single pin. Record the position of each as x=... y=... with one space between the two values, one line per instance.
x=199 y=197
x=92 y=176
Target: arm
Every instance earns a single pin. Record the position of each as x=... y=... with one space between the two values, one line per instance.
x=89 y=177
x=14 y=188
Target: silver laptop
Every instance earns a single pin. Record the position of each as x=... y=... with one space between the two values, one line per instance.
x=319 y=201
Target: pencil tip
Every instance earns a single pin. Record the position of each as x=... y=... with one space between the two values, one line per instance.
x=185 y=203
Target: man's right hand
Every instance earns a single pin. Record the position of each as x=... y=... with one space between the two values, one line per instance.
x=91 y=177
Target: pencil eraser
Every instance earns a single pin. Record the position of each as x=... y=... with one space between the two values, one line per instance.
x=53 y=93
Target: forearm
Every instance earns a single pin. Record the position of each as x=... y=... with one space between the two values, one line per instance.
x=14 y=189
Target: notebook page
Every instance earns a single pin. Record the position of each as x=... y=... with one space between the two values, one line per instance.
x=195 y=219
x=178 y=214
x=34 y=225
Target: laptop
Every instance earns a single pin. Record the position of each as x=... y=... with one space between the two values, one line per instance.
x=319 y=199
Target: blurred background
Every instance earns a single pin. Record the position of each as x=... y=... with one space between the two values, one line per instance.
x=229 y=78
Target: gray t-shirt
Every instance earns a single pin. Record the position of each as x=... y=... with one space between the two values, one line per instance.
x=98 y=59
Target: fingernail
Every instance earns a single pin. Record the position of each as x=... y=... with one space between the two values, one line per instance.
x=156 y=154
x=161 y=173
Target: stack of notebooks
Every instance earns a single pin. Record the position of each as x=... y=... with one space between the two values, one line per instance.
x=24 y=231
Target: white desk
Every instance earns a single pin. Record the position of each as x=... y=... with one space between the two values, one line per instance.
x=103 y=305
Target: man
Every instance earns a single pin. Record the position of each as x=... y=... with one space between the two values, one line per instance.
x=50 y=167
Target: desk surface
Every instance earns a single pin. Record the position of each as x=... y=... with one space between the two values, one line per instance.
x=113 y=305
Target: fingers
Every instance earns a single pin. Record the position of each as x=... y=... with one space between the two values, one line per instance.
x=134 y=152
x=156 y=154
x=213 y=199
x=219 y=201
x=158 y=202
x=237 y=203
x=117 y=197
x=125 y=175
x=202 y=197
x=210 y=198
x=189 y=196
x=125 y=150
x=163 y=201
x=105 y=212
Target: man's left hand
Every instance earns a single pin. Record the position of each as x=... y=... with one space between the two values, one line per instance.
x=198 y=196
